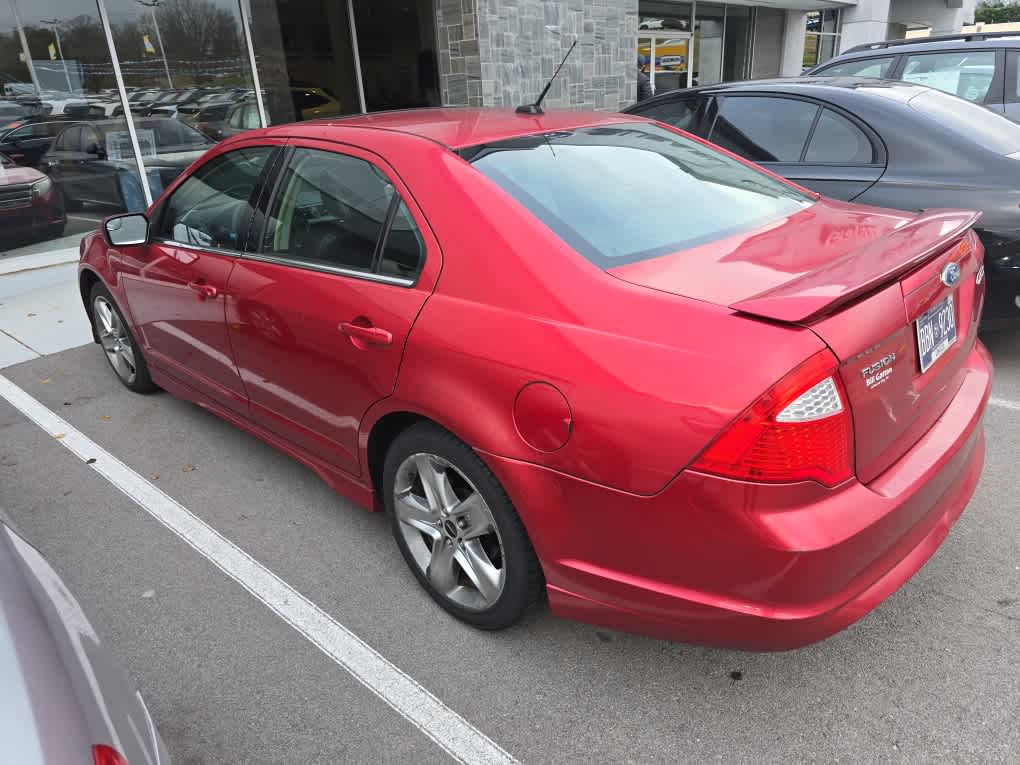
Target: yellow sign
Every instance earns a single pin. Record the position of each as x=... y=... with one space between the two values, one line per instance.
x=149 y=48
x=53 y=52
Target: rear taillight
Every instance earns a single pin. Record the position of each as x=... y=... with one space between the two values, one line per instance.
x=107 y=755
x=799 y=430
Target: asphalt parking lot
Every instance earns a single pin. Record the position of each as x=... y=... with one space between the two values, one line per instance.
x=932 y=675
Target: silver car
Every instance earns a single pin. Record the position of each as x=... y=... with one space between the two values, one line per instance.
x=63 y=697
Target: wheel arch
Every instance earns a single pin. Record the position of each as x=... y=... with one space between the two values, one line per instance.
x=87 y=279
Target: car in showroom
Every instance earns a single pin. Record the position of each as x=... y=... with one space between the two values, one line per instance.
x=30 y=205
x=65 y=697
x=93 y=163
x=575 y=355
x=978 y=66
x=876 y=142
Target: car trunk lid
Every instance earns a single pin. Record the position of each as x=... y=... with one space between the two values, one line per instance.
x=871 y=285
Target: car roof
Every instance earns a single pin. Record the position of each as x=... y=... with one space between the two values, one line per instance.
x=459 y=128
x=944 y=43
x=836 y=87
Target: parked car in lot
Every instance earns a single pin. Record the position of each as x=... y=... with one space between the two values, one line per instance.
x=27 y=139
x=65 y=698
x=93 y=163
x=978 y=66
x=576 y=353
x=29 y=203
x=876 y=142
x=209 y=120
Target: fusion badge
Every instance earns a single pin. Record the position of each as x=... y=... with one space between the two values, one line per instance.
x=877 y=373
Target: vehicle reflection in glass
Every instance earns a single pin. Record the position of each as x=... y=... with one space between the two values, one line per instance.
x=93 y=165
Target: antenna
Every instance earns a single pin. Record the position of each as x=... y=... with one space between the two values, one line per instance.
x=536 y=108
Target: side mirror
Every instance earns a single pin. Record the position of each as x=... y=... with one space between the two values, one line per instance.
x=126 y=230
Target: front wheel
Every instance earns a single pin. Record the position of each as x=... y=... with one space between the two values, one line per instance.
x=118 y=343
x=457 y=529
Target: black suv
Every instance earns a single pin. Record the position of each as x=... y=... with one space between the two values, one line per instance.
x=981 y=67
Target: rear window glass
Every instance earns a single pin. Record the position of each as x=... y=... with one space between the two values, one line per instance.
x=623 y=193
x=971 y=121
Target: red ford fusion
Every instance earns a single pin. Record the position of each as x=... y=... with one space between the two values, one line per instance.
x=575 y=356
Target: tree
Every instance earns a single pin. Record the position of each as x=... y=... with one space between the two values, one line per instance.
x=997 y=12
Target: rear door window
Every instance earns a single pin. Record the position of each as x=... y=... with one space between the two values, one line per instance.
x=965 y=73
x=861 y=67
x=764 y=129
x=838 y=141
x=69 y=140
x=333 y=209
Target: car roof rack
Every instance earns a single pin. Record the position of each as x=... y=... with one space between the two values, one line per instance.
x=962 y=37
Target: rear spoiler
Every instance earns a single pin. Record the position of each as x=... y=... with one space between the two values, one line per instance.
x=861 y=271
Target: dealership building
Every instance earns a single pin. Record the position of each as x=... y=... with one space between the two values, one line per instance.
x=284 y=60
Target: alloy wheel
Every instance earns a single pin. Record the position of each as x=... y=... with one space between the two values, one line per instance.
x=114 y=338
x=450 y=531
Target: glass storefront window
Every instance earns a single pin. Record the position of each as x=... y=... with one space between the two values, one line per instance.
x=179 y=58
x=396 y=47
x=708 y=44
x=821 y=42
x=60 y=169
x=305 y=58
x=656 y=16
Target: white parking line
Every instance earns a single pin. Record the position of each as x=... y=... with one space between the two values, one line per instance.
x=451 y=732
x=1004 y=403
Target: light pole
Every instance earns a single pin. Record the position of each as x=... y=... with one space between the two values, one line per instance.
x=60 y=50
x=152 y=5
x=24 y=47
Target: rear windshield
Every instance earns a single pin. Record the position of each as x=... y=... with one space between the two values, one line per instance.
x=622 y=193
x=969 y=120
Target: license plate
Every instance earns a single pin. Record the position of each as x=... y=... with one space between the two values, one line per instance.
x=936 y=332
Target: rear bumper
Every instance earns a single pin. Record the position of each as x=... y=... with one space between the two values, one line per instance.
x=727 y=563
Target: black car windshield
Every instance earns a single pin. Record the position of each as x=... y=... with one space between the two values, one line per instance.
x=622 y=193
x=972 y=121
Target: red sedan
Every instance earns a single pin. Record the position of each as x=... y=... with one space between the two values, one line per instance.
x=574 y=355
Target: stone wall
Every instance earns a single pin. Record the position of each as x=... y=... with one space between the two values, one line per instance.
x=460 y=79
x=501 y=52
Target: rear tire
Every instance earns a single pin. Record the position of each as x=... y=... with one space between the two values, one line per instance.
x=458 y=530
x=119 y=346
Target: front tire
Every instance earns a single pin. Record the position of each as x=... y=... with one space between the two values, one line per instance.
x=458 y=530
x=119 y=346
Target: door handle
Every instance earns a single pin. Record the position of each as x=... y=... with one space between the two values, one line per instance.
x=204 y=290
x=369 y=335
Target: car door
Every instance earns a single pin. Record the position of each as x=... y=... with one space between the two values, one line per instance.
x=175 y=285
x=817 y=146
x=63 y=162
x=320 y=308
x=98 y=175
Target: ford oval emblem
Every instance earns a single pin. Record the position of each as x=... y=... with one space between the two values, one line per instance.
x=951 y=274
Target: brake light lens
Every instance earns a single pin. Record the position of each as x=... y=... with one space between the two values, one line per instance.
x=107 y=755
x=799 y=430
